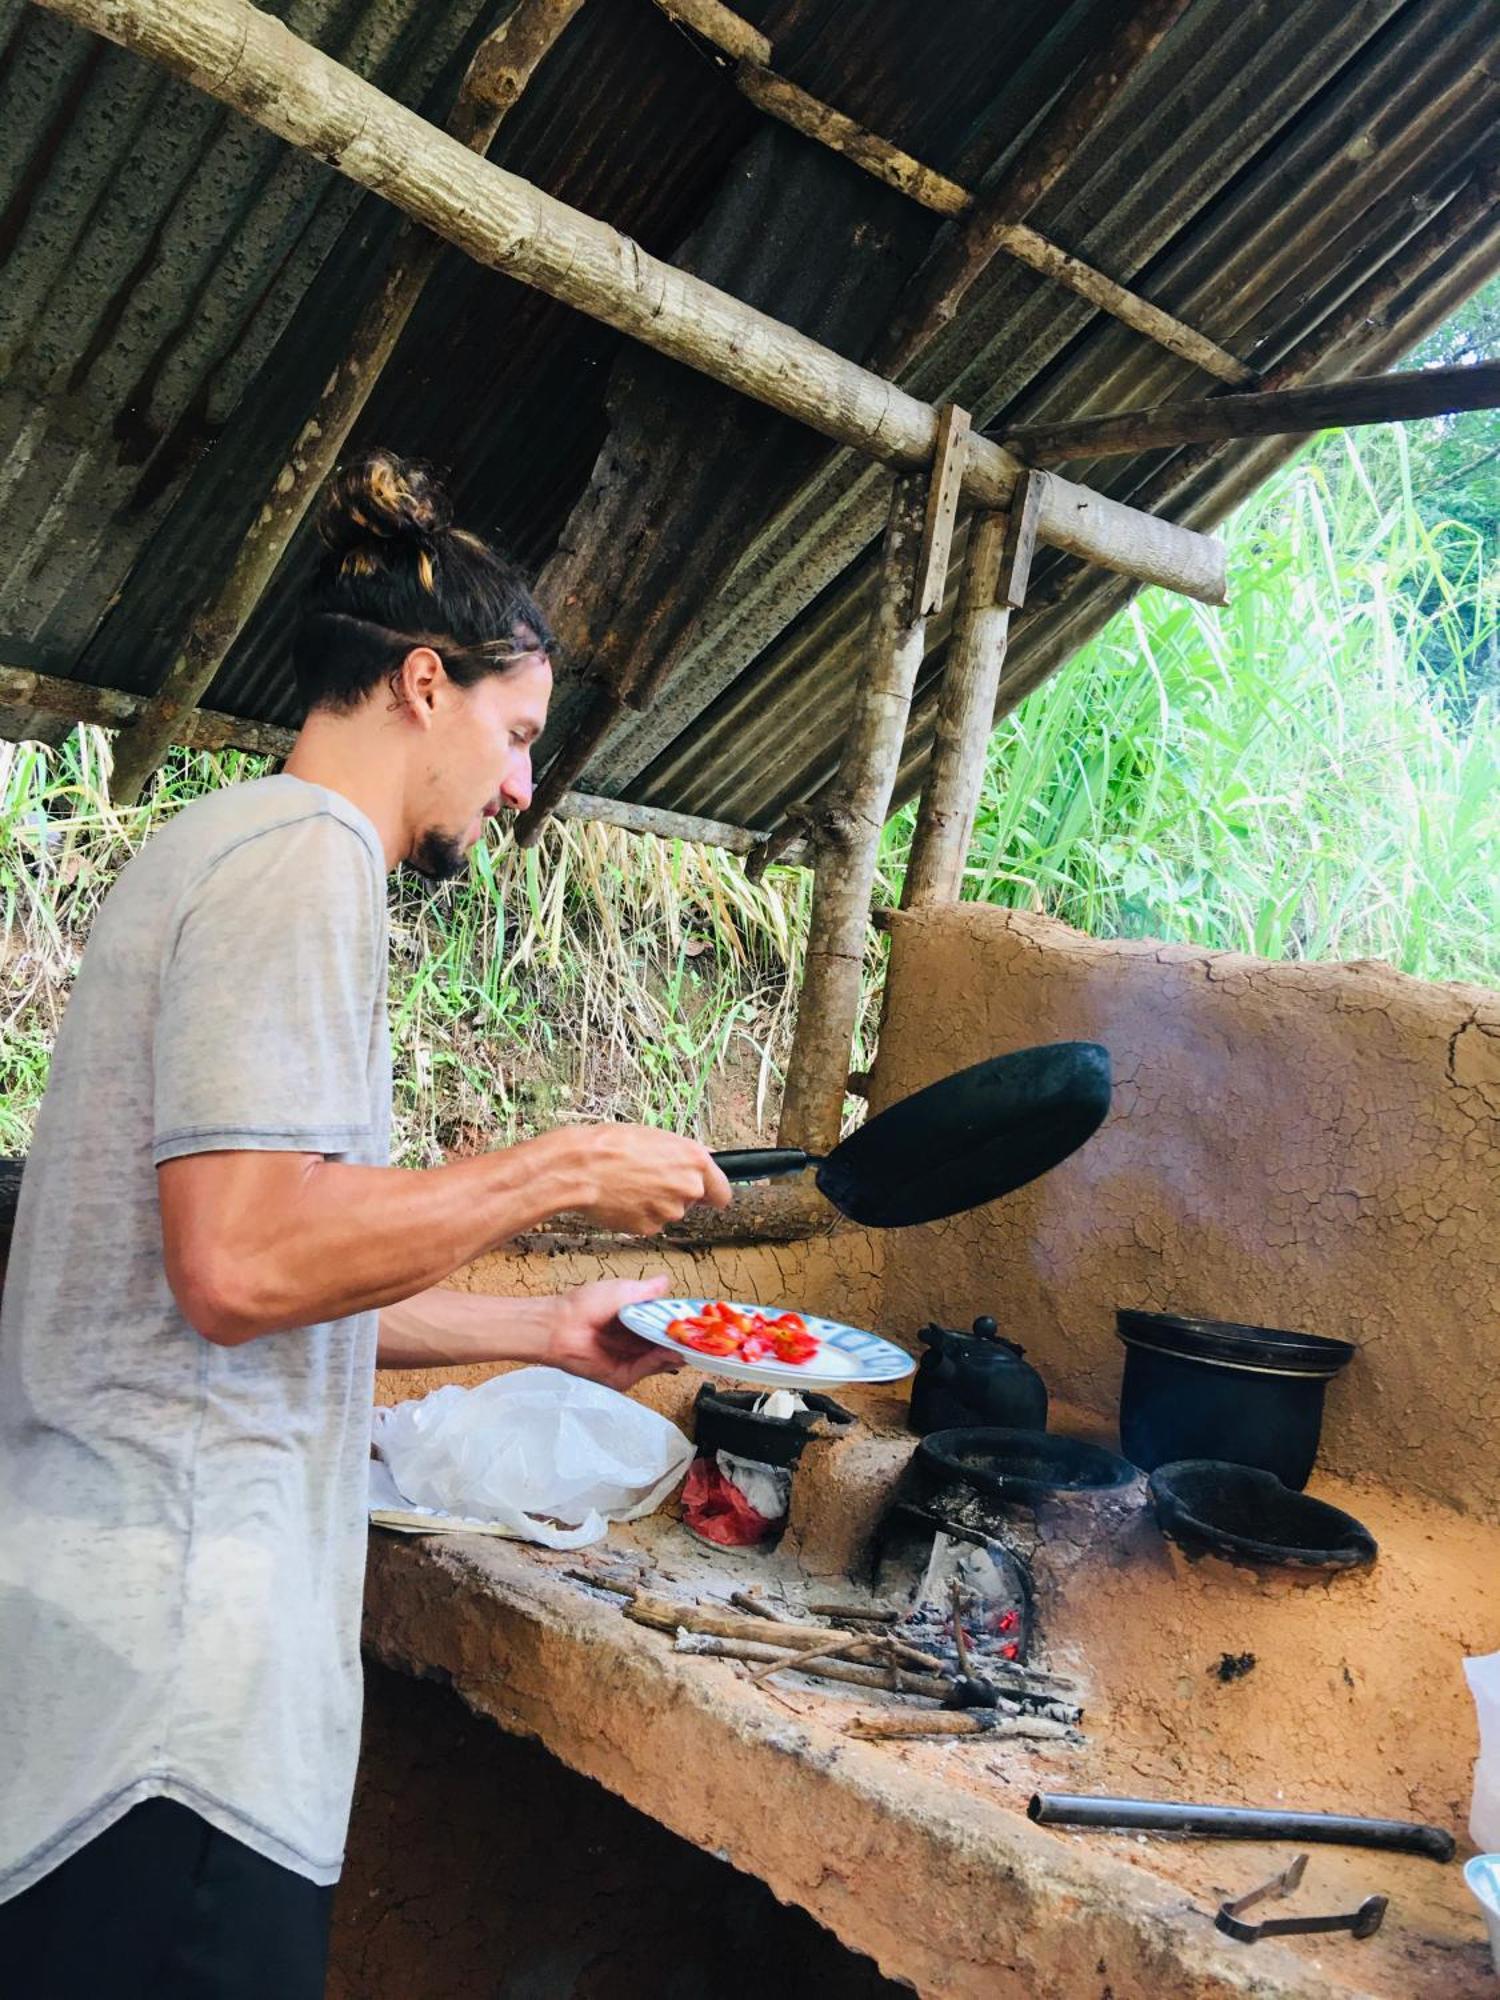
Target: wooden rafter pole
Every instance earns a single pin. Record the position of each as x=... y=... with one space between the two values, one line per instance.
x=848 y=838
x=501 y=68
x=994 y=583
x=1364 y=399
x=251 y=61
x=24 y=689
x=961 y=256
x=932 y=190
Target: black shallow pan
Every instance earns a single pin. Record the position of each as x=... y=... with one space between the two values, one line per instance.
x=967 y=1140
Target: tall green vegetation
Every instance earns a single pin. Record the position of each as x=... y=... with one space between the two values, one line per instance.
x=1313 y=772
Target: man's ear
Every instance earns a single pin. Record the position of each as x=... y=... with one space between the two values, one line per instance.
x=416 y=683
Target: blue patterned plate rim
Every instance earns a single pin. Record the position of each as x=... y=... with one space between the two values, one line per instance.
x=861 y=1356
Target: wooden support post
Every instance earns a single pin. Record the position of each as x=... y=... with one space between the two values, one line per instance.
x=849 y=838
x=251 y=61
x=502 y=66
x=1366 y=399
x=955 y=769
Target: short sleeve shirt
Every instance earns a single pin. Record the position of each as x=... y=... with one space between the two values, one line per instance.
x=182 y=1525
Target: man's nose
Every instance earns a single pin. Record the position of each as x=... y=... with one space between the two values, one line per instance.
x=517 y=787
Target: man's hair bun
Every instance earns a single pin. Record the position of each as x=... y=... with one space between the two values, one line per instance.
x=382 y=498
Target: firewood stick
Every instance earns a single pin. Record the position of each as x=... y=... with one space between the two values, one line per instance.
x=915 y=1657
x=891 y=1679
x=970 y=1722
x=855 y=1614
x=616 y=1586
x=754 y=1606
x=667 y=1615
x=819 y=1653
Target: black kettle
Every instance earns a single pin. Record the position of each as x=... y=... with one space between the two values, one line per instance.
x=975 y=1380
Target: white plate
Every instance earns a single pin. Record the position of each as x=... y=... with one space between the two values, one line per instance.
x=846 y=1354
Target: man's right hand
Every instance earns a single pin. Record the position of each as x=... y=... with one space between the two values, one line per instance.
x=642 y=1179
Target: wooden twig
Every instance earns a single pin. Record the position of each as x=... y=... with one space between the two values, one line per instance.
x=855 y=1614
x=970 y=1722
x=756 y=1606
x=892 y=1679
x=1367 y=399
x=617 y=1587
x=666 y=1614
x=820 y=1654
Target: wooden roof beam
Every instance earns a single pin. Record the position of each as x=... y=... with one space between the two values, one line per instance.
x=252 y=62
x=934 y=191
x=502 y=66
x=1364 y=399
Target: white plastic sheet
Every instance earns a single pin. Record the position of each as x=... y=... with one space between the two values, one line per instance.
x=543 y=1455
x=1483 y=1676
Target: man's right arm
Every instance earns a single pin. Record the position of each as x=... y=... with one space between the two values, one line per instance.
x=261 y=1242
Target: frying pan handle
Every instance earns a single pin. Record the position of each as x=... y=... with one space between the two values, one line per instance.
x=762 y=1163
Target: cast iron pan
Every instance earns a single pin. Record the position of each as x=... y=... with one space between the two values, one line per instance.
x=967 y=1140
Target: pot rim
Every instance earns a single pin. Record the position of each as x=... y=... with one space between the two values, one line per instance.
x=1250 y=1350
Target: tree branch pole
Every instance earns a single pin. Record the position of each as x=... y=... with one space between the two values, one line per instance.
x=1365 y=399
x=502 y=66
x=848 y=841
x=252 y=62
x=955 y=770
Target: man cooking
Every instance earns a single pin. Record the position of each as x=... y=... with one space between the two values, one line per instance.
x=210 y=1255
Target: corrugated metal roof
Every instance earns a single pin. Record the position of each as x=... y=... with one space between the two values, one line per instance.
x=178 y=285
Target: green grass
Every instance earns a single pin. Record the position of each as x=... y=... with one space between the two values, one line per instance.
x=1285 y=776
x=1313 y=772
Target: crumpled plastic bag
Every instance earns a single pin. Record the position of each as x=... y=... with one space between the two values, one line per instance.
x=1483 y=1676
x=542 y=1454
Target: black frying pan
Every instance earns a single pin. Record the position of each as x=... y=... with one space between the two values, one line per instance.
x=967 y=1140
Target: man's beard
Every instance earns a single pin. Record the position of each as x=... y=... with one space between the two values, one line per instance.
x=437 y=857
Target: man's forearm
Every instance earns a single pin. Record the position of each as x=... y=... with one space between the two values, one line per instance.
x=446 y=1329
x=325 y=1239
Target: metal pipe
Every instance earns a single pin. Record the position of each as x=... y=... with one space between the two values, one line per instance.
x=1395 y=1836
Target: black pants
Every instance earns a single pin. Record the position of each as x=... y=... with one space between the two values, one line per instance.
x=165 y=1907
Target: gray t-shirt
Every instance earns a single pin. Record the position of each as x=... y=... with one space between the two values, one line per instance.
x=182 y=1525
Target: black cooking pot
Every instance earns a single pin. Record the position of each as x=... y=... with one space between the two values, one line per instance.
x=1212 y=1389
x=949 y=1469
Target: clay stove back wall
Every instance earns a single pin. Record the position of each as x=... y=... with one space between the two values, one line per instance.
x=1303 y=1146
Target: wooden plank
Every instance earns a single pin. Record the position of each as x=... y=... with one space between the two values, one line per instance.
x=500 y=70
x=875 y=156
x=718 y=24
x=955 y=769
x=1020 y=541
x=849 y=838
x=1366 y=399
x=943 y=489
x=251 y=61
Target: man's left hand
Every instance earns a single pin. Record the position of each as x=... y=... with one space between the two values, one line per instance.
x=588 y=1339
